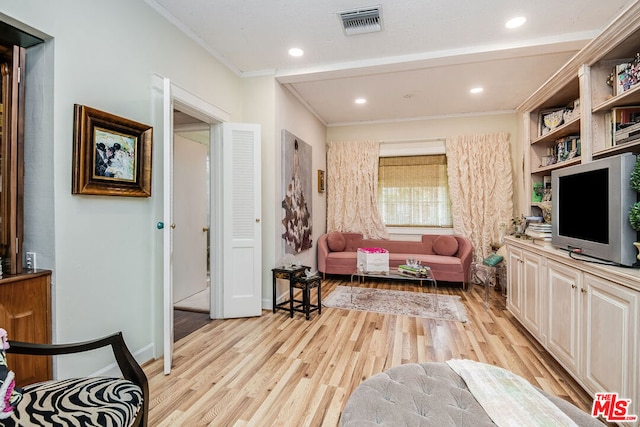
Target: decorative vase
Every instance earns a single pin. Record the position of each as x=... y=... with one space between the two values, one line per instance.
x=637 y=245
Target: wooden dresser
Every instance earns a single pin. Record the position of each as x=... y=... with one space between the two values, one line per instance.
x=25 y=313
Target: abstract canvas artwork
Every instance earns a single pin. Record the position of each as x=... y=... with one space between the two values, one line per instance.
x=296 y=194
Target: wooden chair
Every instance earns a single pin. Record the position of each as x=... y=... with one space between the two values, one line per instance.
x=91 y=401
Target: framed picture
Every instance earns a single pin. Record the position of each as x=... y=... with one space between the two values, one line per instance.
x=549 y=119
x=111 y=154
x=321 y=181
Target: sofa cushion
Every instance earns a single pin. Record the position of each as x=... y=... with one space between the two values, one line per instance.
x=445 y=245
x=336 y=241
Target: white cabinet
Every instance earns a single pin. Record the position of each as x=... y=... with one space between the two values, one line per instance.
x=514 y=281
x=523 y=296
x=563 y=295
x=532 y=288
x=586 y=315
x=610 y=337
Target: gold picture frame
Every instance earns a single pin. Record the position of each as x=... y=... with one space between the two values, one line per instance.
x=321 y=181
x=111 y=154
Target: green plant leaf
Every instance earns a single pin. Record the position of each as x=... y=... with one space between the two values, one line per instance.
x=635 y=175
x=634 y=216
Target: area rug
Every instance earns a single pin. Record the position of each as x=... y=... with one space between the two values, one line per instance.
x=405 y=303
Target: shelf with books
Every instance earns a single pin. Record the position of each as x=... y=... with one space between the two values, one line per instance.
x=556 y=153
x=630 y=147
x=603 y=76
x=546 y=170
x=630 y=97
x=570 y=127
x=616 y=130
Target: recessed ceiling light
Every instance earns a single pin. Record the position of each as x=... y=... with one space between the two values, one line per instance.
x=476 y=90
x=361 y=101
x=515 y=22
x=296 y=51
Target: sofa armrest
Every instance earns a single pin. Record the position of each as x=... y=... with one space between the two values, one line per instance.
x=323 y=252
x=465 y=253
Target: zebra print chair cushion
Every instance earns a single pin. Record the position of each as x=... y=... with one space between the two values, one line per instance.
x=93 y=401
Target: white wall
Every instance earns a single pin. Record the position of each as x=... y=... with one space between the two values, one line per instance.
x=293 y=116
x=103 y=56
x=268 y=103
x=259 y=107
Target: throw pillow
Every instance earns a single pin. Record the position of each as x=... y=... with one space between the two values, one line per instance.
x=336 y=241
x=445 y=245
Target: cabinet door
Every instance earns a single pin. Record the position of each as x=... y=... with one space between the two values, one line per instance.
x=531 y=307
x=12 y=94
x=514 y=281
x=610 y=338
x=26 y=315
x=563 y=292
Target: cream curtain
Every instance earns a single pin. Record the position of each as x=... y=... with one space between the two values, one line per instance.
x=352 y=189
x=480 y=187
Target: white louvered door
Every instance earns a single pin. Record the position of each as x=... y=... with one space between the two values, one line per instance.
x=242 y=243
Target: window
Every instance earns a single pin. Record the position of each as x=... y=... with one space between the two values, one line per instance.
x=413 y=191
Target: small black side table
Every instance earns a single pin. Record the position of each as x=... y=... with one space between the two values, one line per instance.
x=306 y=283
x=290 y=274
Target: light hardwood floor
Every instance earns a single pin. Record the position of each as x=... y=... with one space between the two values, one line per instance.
x=277 y=371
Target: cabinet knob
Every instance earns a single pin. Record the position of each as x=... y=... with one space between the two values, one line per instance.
x=573 y=286
x=583 y=290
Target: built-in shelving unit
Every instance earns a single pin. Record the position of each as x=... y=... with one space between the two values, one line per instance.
x=582 y=82
x=574 y=308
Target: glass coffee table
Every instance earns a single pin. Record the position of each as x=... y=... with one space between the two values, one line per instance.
x=394 y=274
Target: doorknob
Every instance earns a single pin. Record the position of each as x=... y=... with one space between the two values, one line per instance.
x=205 y=229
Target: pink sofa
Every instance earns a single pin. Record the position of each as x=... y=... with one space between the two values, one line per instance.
x=448 y=256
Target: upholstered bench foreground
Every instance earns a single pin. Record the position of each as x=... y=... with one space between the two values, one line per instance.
x=83 y=402
x=427 y=394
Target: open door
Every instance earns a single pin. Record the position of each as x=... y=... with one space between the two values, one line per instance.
x=241 y=216
x=167 y=253
x=236 y=256
x=190 y=214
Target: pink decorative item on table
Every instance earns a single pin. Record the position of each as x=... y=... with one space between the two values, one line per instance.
x=373 y=260
x=9 y=395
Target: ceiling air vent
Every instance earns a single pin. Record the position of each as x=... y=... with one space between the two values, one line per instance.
x=361 y=21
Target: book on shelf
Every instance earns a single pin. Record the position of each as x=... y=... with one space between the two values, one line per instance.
x=626 y=76
x=567 y=148
x=539 y=231
x=608 y=130
x=622 y=125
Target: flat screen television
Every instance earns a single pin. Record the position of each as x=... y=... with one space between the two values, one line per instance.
x=590 y=205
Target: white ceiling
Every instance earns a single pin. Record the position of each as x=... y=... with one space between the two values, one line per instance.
x=423 y=63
